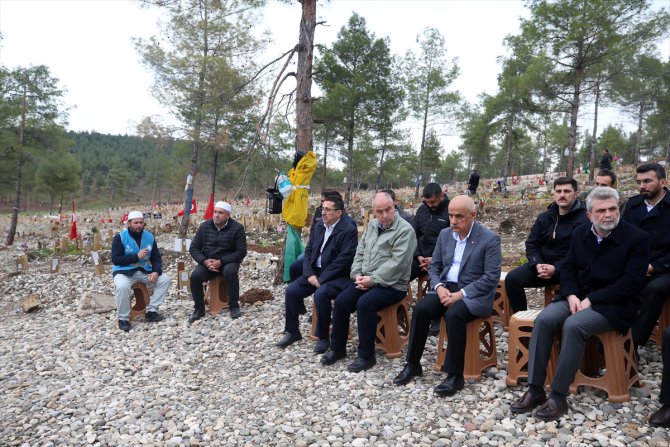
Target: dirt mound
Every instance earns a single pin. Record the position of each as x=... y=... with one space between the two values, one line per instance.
x=254 y=295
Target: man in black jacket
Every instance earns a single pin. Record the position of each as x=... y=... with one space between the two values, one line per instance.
x=219 y=246
x=325 y=273
x=473 y=183
x=601 y=280
x=547 y=244
x=430 y=218
x=650 y=211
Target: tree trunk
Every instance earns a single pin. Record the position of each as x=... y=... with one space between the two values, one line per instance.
x=638 y=140
x=17 y=202
x=350 y=161
x=593 y=136
x=381 y=163
x=303 y=107
x=574 y=111
x=419 y=175
x=325 y=161
x=508 y=154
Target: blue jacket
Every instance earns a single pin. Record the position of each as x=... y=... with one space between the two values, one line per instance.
x=337 y=255
x=129 y=259
x=480 y=266
x=611 y=274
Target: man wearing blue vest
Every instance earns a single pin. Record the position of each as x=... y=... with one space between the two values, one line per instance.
x=136 y=259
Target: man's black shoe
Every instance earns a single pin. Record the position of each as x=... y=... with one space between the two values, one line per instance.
x=196 y=315
x=321 y=346
x=235 y=313
x=661 y=418
x=289 y=339
x=331 y=357
x=153 y=317
x=528 y=402
x=554 y=408
x=124 y=325
x=434 y=329
x=361 y=364
x=450 y=386
x=407 y=373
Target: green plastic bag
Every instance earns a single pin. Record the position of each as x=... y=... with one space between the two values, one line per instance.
x=292 y=250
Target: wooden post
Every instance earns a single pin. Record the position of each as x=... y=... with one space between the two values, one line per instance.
x=183 y=281
x=87 y=246
x=96 y=242
x=54 y=266
x=65 y=243
x=98 y=268
x=22 y=263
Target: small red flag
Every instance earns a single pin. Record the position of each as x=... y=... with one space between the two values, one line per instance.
x=194 y=209
x=73 y=228
x=209 y=213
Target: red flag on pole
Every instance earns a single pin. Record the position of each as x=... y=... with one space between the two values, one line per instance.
x=194 y=209
x=73 y=228
x=209 y=213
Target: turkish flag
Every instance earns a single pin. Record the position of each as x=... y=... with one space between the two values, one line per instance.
x=73 y=228
x=194 y=209
x=209 y=213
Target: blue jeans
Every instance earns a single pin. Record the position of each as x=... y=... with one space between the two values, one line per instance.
x=122 y=292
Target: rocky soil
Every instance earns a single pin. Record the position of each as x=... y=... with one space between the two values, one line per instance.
x=75 y=381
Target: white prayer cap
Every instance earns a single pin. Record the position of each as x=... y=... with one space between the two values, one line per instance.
x=224 y=206
x=135 y=215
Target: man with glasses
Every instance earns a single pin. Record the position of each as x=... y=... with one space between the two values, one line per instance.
x=219 y=246
x=325 y=272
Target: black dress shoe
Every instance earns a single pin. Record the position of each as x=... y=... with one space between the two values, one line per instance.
x=196 y=315
x=552 y=409
x=235 y=313
x=528 y=402
x=289 y=339
x=434 y=329
x=410 y=370
x=124 y=325
x=153 y=317
x=321 y=346
x=661 y=418
x=361 y=364
x=331 y=357
x=450 y=386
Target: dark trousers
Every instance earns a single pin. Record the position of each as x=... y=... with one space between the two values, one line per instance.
x=202 y=274
x=457 y=317
x=295 y=269
x=300 y=289
x=664 y=397
x=366 y=304
x=520 y=277
x=654 y=294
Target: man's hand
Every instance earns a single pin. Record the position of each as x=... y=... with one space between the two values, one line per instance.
x=545 y=271
x=314 y=281
x=153 y=277
x=142 y=253
x=650 y=270
x=212 y=264
x=424 y=262
x=448 y=298
x=586 y=303
x=363 y=282
x=574 y=303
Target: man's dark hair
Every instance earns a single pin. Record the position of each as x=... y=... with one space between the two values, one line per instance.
x=432 y=190
x=566 y=181
x=657 y=168
x=390 y=193
x=330 y=192
x=608 y=173
x=337 y=202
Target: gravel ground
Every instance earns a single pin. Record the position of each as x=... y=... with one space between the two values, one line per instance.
x=73 y=381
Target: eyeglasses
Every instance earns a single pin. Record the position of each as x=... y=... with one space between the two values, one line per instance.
x=329 y=209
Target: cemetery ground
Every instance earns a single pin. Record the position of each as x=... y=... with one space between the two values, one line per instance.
x=68 y=376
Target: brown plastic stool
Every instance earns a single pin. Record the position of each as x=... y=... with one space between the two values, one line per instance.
x=216 y=295
x=393 y=328
x=663 y=322
x=480 y=347
x=139 y=305
x=501 y=309
x=422 y=286
x=620 y=367
x=520 y=329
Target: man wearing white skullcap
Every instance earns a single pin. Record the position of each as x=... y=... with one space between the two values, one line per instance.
x=136 y=259
x=219 y=246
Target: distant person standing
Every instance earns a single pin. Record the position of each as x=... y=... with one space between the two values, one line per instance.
x=473 y=183
x=606 y=160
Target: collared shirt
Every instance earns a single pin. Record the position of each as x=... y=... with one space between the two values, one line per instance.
x=650 y=206
x=598 y=238
x=452 y=274
x=329 y=231
x=224 y=225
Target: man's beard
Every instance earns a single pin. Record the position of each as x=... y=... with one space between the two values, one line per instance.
x=608 y=226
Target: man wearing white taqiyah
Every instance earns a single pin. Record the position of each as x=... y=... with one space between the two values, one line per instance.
x=136 y=258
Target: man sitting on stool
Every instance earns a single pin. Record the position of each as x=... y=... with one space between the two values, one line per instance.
x=465 y=271
x=325 y=273
x=601 y=280
x=219 y=246
x=136 y=259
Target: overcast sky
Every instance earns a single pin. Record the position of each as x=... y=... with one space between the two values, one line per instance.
x=87 y=45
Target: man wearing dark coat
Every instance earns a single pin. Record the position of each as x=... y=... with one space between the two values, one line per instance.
x=650 y=211
x=601 y=280
x=219 y=246
x=325 y=272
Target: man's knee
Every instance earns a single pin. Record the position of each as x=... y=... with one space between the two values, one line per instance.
x=122 y=283
x=163 y=279
x=230 y=271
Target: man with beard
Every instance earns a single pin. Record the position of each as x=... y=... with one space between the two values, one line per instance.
x=136 y=258
x=601 y=279
x=650 y=211
x=547 y=244
x=219 y=246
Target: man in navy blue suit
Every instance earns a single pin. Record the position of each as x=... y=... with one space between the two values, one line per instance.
x=325 y=272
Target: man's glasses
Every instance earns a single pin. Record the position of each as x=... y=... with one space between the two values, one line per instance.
x=328 y=210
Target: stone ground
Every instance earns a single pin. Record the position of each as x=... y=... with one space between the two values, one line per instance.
x=74 y=381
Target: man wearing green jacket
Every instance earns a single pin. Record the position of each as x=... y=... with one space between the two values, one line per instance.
x=380 y=271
